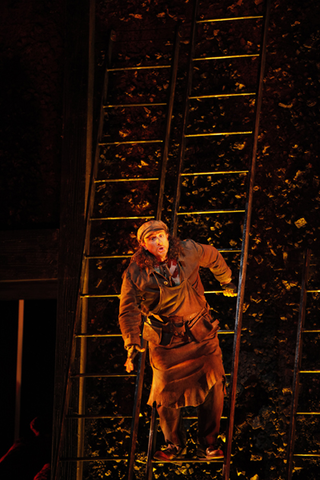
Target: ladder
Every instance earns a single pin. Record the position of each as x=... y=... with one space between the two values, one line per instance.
x=204 y=143
x=305 y=413
x=153 y=161
x=96 y=383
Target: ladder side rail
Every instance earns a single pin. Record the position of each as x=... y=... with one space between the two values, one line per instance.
x=91 y=196
x=83 y=267
x=182 y=145
x=82 y=380
x=172 y=89
x=136 y=409
x=152 y=432
x=297 y=364
x=152 y=441
x=245 y=249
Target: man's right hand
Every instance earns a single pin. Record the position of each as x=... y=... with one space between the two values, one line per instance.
x=229 y=289
x=132 y=352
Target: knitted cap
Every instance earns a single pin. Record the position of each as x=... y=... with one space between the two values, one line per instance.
x=149 y=227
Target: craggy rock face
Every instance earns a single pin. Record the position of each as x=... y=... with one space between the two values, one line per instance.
x=285 y=216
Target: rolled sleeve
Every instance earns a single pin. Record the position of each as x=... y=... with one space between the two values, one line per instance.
x=211 y=258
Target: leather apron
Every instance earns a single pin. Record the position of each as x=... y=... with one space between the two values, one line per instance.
x=181 y=300
x=184 y=370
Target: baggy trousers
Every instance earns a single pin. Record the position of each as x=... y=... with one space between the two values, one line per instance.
x=209 y=415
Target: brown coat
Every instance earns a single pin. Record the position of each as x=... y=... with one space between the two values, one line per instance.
x=184 y=371
x=140 y=290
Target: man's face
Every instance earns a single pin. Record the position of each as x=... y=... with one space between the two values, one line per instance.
x=157 y=243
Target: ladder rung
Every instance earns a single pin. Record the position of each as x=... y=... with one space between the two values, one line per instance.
x=308 y=413
x=222 y=95
x=216 y=134
x=88 y=295
x=228 y=250
x=93 y=219
x=208 y=212
x=230 y=19
x=190 y=460
x=97 y=335
x=92 y=417
x=94 y=459
x=102 y=375
x=191 y=417
x=129 y=142
x=116 y=180
x=125 y=105
x=221 y=172
x=212 y=291
x=225 y=57
x=137 y=67
x=306 y=454
x=100 y=257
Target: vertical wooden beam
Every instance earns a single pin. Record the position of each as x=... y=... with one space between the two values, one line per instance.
x=19 y=370
x=90 y=96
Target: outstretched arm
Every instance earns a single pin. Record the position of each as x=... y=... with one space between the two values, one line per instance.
x=213 y=259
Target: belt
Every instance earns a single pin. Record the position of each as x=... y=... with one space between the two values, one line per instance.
x=177 y=320
x=163 y=330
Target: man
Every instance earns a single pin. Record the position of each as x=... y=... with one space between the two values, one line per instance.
x=162 y=283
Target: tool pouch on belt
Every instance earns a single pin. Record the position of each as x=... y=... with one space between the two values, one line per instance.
x=202 y=327
x=162 y=333
x=152 y=333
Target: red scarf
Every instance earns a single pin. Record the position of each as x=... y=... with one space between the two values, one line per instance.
x=169 y=268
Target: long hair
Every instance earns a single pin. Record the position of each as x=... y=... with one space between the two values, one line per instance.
x=144 y=259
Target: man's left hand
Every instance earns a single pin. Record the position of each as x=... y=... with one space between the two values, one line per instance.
x=229 y=290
